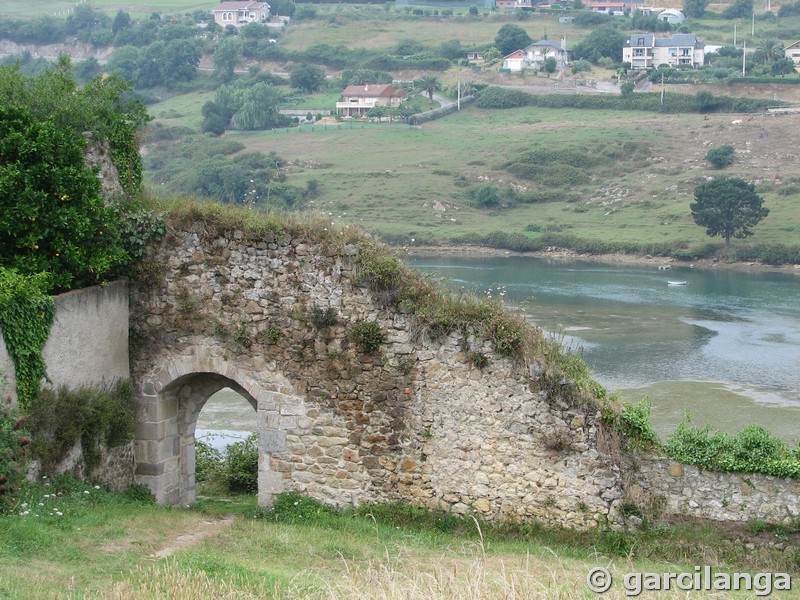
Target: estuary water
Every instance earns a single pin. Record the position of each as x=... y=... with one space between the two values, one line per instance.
x=725 y=347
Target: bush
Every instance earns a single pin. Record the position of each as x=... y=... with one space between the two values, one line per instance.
x=721 y=156
x=207 y=462
x=752 y=450
x=240 y=466
x=367 y=335
x=13 y=456
x=94 y=416
x=634 y=424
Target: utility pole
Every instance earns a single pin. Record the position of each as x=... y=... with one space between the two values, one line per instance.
x=753 y=28
x=458 y=95
x=662 y=88
x=744 y=56
x=734 y=34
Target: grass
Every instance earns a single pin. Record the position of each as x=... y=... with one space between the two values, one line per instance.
x=106 y=545
x=11 y=8
x=410 y=182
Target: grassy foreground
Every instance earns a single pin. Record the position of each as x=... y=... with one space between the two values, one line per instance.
x=72 y=540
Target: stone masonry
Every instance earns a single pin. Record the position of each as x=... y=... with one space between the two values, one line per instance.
x=415 y=421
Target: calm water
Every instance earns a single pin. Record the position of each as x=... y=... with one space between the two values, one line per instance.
x=725 y=347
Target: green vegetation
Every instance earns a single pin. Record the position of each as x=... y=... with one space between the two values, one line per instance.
x=92 y=543
x=234 y=471
x=728 y=207
x=13 y=464
x=752 y=450
x=721 y=157
x=367 y=335
x=26 y=315
x=96 y=417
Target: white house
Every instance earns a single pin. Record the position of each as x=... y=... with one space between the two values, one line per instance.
x=538 y=52
x=792 y=52
x=645 y=51
x=514 y=61
x=240 y=13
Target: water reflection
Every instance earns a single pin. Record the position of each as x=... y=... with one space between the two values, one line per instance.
x=738 y=330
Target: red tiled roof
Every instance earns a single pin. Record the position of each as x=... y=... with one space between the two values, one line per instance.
x=516 y=54
x=372 y=91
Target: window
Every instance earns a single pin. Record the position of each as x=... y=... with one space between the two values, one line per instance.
x=684 y=52
x=226 y=16
x=640 y=41
x=638 y=51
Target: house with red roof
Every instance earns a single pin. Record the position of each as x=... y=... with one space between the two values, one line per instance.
x=240 y=13
x=357 y=100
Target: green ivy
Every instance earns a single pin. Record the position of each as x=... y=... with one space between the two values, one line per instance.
x=13 y=465
x=26 y=315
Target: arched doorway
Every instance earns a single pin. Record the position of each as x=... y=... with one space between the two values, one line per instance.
x=226 y=446
x=165 y=445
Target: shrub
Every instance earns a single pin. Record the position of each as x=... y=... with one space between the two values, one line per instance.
x=752 y=450
x=207 y=462
x=323 y=317
x=721 y=156
x=633 y=422
x=240 y=466
x=94 y=416
x=13 y=464
x=367 y=335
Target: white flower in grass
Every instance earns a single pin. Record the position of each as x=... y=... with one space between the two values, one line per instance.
x=85 y=491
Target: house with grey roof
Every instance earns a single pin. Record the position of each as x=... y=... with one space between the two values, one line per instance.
x=240 y=13
x=646 y=51
x=538 y=52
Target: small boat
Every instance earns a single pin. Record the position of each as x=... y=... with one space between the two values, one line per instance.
x=676 y=282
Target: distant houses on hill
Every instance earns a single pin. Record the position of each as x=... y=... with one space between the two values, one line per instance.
x=646 y=51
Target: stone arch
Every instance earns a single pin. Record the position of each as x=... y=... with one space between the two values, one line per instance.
x=169 y=405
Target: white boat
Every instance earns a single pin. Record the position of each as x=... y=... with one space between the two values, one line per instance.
x=676 y=282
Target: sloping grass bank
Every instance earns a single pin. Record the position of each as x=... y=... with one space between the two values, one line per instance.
x=78 y=541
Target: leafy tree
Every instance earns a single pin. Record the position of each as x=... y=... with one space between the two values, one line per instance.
x=626 y=89
x=473 y=11
x=125 y=62
x=52 y=218
x=695 y=8
x=740 y=9
x=429 y=84
x=550 y=64
x=783 y=66
x=376 y=112
x=408 y=47
x=122 y=20
x=727 y=207
x=87 y=69
x=721 y=157
x=605 y=41
x=768 y=51
x=227 y=53
x=451 y=50
x=306 y=77
x=511 y=37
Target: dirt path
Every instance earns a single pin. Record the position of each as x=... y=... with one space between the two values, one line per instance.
x=205 y=529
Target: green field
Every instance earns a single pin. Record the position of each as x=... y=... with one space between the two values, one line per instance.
x=19 y=10
x=410 y=182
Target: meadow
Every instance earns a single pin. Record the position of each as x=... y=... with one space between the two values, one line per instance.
x=71 y=540
x=412 y=183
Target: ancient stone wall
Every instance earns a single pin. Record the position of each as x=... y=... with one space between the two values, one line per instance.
x=678 y=489
x=413 y=421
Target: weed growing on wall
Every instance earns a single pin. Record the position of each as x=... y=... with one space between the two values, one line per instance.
x=633 y=422
x=367 y=335
x=26 y=315
x=96 y=417
x=13 y=455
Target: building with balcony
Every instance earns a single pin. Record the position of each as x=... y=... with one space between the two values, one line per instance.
x=357 y=100
x=645 y=51
x=241 y=13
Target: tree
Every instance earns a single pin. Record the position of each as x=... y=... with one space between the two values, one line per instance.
x=695 y=8
x=783 y=66
x=227 y=53
x=550 y=64
x=721 y=157
x=727 y=207
x=603 y=41
x=306 y=77
x=511 y=37
x=740 y=9
x=429 y=84
x=121 y=21
x=376 y=112
x=768 y=51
